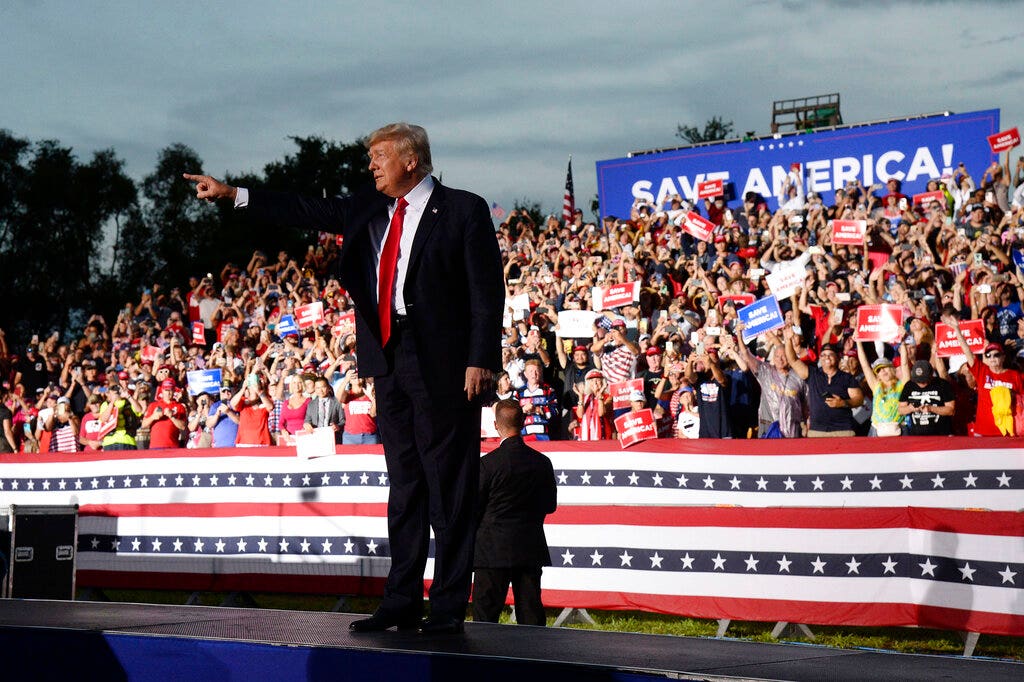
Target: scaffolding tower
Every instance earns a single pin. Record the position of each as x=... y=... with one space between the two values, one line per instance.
x=806 y=114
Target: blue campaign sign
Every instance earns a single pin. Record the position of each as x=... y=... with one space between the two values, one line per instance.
x=1018 y=258
x=912 y=151
x=203 y=381
x=760 y=317
x=286 y=325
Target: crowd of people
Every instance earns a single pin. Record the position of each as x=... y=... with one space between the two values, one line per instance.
x=123 y=382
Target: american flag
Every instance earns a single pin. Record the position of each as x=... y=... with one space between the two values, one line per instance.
x=497 y=211
x=569 y=201
x=898 y=531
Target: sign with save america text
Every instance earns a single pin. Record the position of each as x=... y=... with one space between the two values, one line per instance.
x=946 y=343
x=879 y=323
x=912 y=151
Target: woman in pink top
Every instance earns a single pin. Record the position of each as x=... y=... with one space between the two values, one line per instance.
x=293 y=410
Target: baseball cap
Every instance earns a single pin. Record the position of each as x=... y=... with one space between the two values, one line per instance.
x=653 y=350
x=168 y=383
x=636 y=396
x=921 y=371
x=880 y=363
x=579 y=347
x=618 y=323
x=594 y=374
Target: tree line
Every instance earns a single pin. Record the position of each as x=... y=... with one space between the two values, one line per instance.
x=59 y=215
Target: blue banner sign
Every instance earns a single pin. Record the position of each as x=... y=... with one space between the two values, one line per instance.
x=760 y=317
x=912 y=151
x=286 y=325
x=204 y=381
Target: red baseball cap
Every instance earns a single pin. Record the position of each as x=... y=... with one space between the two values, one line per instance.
x=168 y=383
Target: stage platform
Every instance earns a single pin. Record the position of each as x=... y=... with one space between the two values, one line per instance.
x=62 y=640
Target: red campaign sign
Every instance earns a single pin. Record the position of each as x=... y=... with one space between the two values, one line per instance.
x=149 y=354
x=947 y=344
x=310 y=315
x=345 y=325
x=104 y=427
x=738 y=300
x=634 y=427
x=199 y=333
x=926 y=198
x=617 y=295
x=620 y=392
x=698 y=226
x=849 y=231
x=1000 y=142
x=879 y=323
x=710 y=188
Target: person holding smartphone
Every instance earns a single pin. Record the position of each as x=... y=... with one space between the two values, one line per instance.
x=165 y=418
x=831 y=393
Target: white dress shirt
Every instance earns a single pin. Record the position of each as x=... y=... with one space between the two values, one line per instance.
x=417 y=199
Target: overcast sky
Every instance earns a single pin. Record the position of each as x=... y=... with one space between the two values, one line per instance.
x=507 y=94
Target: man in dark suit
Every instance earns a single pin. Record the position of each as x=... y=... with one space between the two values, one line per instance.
x=324 y=410
x=428 y=255
x=517 y=490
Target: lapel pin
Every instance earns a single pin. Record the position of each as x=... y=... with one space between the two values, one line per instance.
x=434 y=210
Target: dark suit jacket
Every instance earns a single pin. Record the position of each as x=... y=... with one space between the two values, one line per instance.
x=454 y=290
x=517 y=489
x=335 y=413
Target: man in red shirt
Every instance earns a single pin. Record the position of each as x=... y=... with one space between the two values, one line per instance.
x=997 y=386
x=165 y=418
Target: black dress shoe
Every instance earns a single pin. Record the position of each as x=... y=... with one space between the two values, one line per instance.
x=442 y=626
x=383 y=621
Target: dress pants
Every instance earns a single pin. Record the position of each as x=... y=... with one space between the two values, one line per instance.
x=490 y=587
x=432 y=450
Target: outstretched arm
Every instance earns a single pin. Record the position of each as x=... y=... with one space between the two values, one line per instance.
x=210 y=188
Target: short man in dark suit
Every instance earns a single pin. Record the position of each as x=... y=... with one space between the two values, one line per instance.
x=324 y=410
x=517 y=490
x=428 y=331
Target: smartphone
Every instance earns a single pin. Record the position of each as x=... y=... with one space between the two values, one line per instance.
x=713 y=331
x=977 y=259
x=984 y=288
x=903 y=204
x=843 y=297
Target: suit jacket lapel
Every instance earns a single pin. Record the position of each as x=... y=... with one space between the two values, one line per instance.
x=431 y=216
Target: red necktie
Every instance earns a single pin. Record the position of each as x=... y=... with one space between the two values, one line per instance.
x=388 y=266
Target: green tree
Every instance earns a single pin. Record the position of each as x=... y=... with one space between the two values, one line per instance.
x=54 y=211
x=532 y=208
x=714 y=129
x=323 y=167
x=173 y=234
x=319 y=167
